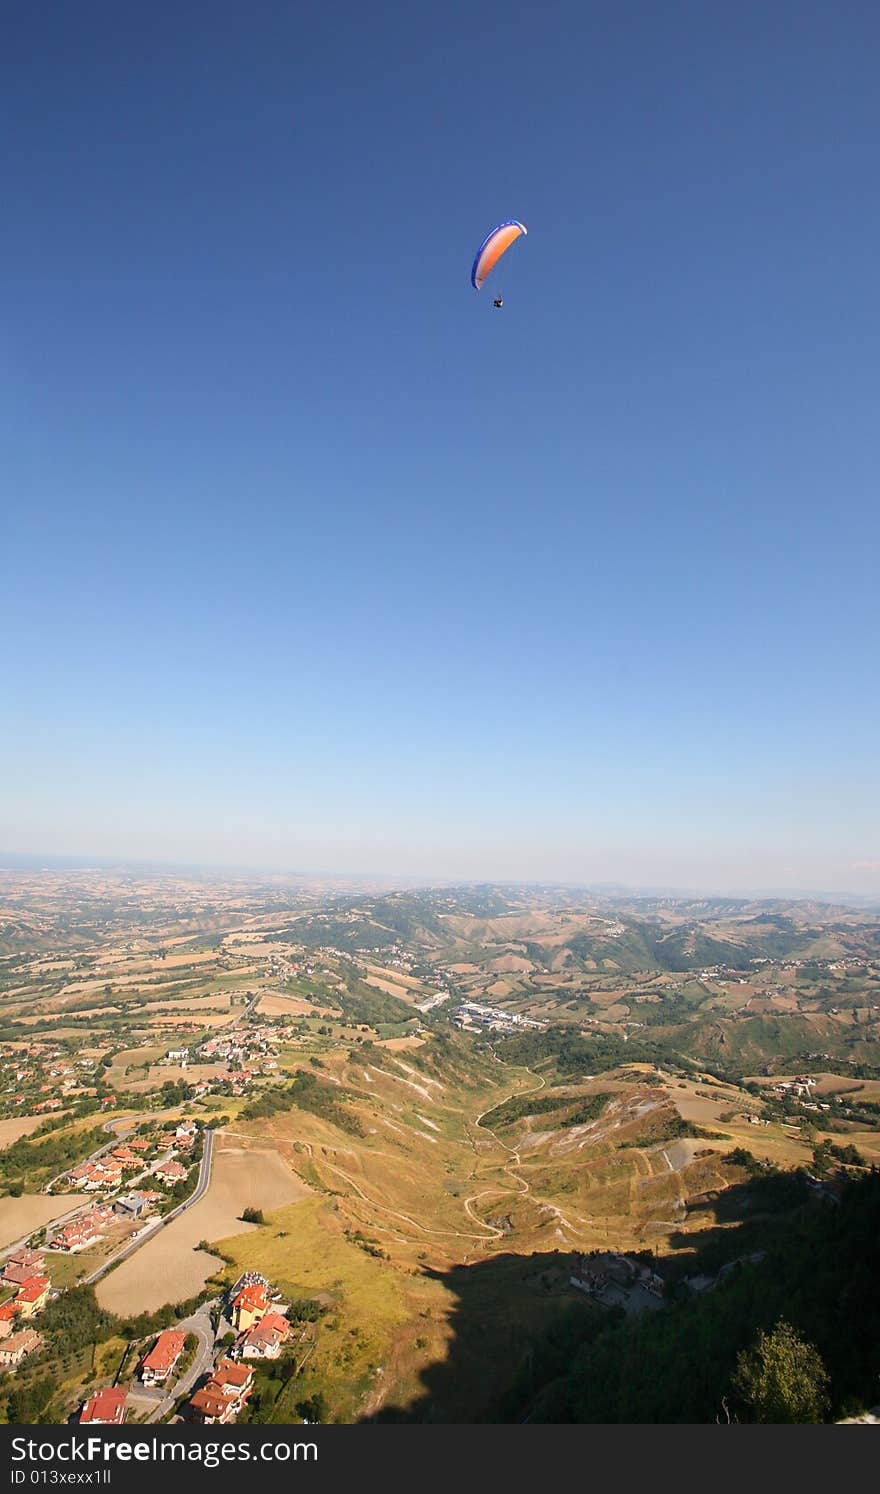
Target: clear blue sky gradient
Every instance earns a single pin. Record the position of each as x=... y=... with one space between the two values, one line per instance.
x=312 y=559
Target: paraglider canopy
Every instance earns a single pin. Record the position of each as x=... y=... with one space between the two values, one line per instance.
x=492 y=248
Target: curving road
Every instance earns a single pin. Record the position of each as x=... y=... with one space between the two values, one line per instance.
x=200 y=1325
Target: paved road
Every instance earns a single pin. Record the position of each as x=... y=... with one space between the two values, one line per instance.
x=115 y=1139
x=200 y=1325
x=89 y=1203
x=130 y=1121
x=200 y=1190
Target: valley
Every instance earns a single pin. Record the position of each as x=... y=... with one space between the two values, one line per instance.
x=435 y=1106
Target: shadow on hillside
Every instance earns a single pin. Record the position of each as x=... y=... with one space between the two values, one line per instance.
x=507 y=1305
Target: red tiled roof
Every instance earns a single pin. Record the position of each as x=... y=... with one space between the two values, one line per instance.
x=165 y=1351
x=234 y=1375
x=20 y=1268
x=24 y=1342
x=107 y=1405
x=32 y=1289
x=251 y=1297
x=209 y=1402
x=171 y=1169
x=26 y=1257
x=271 y=1326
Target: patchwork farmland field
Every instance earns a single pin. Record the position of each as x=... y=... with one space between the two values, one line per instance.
x=436 y=1104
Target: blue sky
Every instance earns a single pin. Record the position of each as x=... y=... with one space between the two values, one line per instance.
x=314 y=560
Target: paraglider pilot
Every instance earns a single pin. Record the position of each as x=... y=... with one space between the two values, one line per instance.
x=490 y=251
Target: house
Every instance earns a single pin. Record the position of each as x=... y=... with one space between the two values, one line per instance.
x=249 y=1306
x=15 y=1348
x=125 y=1157
x=224 y=1394
x=90 y=1176
x=132 y=1204
x=22 y=1265
x=177 y=1055
x=108 y=1176
x=76 y=1236
x=105 y=1408
x=80 y=1174
x=600 y=1269
x=32 y=1296
x=264 y=1340
x=158 y=1364
x=246 y=1279
x=608 y=1268
x=186 y=1128
x=170 y=1172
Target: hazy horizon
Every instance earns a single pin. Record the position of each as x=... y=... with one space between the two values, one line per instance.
x=54 y=861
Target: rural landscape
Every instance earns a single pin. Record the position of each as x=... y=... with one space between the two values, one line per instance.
x=285 y=1150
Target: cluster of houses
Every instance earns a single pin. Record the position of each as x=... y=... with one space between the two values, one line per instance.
x=106 y=1175
x=602 y=1270
x=473 y=1015
x=247 y=1051
x=262 y=1329
x=23 y=1273
x=800 y=1088
x=85 y=1230
x=107 y=1406
x=40 y=1077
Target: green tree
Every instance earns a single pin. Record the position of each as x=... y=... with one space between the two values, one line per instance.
x=782 y=1378
x=314 y=1409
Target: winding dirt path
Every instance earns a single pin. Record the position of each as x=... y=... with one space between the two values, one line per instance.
x=423 y=1229
x=508 y=1168
x=489 y=1231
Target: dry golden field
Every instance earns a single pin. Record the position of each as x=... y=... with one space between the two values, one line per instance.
x=169 y=1268
x=21 y=1216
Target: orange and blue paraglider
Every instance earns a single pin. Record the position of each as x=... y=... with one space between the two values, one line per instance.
x=490 y=251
